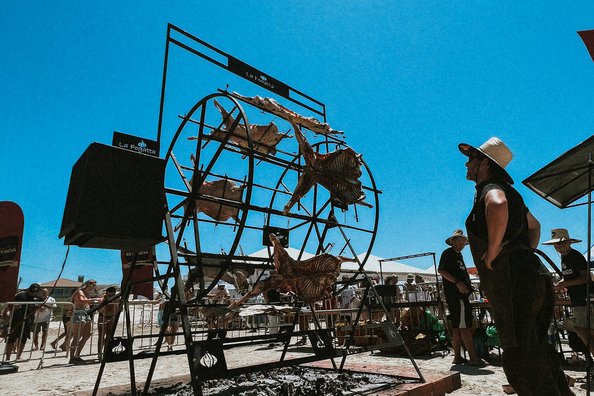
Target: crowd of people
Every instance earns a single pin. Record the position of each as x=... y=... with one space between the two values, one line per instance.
x=33 y=310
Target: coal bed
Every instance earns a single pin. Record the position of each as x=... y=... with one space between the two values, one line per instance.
x=288 y=381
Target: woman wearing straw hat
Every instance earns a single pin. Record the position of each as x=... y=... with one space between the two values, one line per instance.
x=575 y=277
x=502 y=235
x=457 y=288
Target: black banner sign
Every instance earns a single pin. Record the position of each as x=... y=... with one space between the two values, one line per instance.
x=281 y=233
x=8 y=250
x=135 y=143
x=143 y=257
x=251 y=73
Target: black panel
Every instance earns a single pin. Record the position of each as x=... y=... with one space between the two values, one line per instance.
x=565 y=179
x=115 y=200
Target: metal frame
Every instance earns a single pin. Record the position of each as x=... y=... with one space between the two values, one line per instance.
x=217 y=338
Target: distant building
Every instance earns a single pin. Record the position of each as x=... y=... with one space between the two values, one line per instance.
x=63 y=288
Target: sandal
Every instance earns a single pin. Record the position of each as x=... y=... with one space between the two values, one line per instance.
x=479 y=363
x=460 y=360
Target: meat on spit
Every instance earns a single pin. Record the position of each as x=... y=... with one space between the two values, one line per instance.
x=222 y=188
x=338 y=172
x=264 y=137
x=309 y=279
x=276 y=108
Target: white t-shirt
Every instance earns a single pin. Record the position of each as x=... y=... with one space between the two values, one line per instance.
x=44 y=313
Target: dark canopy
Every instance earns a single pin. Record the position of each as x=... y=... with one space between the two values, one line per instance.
x=564 y=180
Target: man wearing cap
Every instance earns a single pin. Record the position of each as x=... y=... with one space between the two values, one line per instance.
x=22 y=320
x=457 y=288
x=575 y=277
x=502 y=235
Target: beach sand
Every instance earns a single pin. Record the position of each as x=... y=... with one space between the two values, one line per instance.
x=60 y=378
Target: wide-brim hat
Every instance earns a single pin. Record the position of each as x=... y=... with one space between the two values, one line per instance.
x=495 y=150
x=560 y=235
x=457 y=234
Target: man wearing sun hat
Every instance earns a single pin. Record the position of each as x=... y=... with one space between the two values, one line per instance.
x=457 y=288
x=502 y=235
x=575 y=277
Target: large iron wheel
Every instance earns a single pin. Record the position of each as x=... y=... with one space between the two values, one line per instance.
x=201 y=151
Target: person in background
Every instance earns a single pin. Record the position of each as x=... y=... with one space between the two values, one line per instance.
x=575 y=278
x=107 y=314
x=42 y=318
x=81 y=321
x=457 y=288
x=21 y=321
x=220 y=295
x=503 y=234
x=409 y=286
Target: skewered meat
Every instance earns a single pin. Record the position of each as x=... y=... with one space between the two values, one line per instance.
x=222 y=188
x=238 y=277
x=264 y=137
x=276 y=108
x=338 y=172
x=309 y=279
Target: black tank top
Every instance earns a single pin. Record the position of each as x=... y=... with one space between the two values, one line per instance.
x=517 y=232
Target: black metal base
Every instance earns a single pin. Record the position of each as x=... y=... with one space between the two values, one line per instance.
x=8 y=368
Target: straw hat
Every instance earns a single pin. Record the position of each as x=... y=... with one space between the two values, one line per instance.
x=560 y=235
x=495 y=150
x=457 y=234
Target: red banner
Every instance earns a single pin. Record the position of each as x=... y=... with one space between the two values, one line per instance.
x=588 y=38
x=143 y=261
x=11 y=241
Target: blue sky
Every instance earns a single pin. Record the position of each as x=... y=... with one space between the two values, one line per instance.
x=406 y=80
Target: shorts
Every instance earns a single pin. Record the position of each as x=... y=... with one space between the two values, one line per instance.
x=460 y=312
x=580 y=317
x=21 y=331
x=41 y=326
x=80 y=316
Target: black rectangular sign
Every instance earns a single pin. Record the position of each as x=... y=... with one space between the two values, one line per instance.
x=135 y=143
x=251 y=73
x=281 y=233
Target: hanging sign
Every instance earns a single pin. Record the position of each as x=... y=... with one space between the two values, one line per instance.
x=248 y=72
x=143 y=270
x=281 y=233
x=135 y=143
x=11 y=240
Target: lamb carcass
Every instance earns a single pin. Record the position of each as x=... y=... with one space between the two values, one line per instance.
x=264 y=137
x=222 y=188
x=309 y=279
x=276 y=108
x=338 y=172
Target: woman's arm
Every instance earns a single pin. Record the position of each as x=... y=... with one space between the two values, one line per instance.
x=497 y=216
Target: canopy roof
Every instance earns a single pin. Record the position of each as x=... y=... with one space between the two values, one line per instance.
x=564 y=180
x=388 y=267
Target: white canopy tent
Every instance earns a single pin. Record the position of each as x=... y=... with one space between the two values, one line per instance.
x=388 y=267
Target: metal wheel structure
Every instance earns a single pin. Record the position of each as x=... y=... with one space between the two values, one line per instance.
x=213 y=146
x=201 y=151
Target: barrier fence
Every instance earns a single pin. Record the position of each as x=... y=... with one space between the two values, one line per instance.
x=53 y=342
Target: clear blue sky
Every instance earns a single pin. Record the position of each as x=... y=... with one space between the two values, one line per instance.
x=406 y=80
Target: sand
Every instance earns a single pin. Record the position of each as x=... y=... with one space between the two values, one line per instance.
x=57 y=377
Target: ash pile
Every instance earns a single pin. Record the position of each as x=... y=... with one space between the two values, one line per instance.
x=288 y=381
